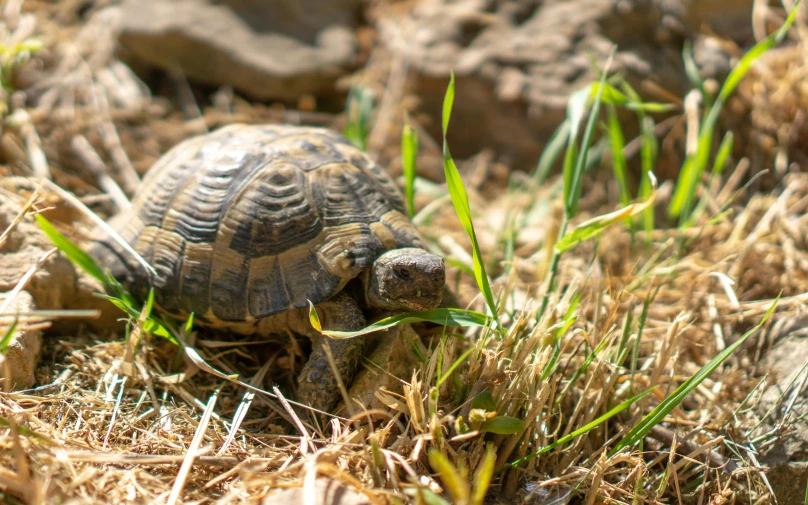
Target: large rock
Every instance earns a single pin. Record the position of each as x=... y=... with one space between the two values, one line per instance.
x=518 y=61
x=268 y=49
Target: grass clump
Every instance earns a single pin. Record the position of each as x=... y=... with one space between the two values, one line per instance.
x=696 y=162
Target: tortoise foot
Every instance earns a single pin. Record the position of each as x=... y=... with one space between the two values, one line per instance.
x=318 y=386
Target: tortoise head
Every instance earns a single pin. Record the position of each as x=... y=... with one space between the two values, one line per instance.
x=407 y=279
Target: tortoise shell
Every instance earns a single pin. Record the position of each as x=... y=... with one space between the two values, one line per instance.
x=250 y=221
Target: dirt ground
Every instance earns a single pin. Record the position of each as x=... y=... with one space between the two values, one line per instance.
x=89 y=103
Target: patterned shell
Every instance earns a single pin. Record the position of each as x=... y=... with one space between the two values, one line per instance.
x=249 y=221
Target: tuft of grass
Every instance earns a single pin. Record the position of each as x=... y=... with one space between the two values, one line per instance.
x=114 y=291
x=580 y=431
x=636 y=434
x=696 y=163
x=575 y=165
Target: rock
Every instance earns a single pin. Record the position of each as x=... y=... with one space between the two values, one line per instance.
x=22 y=353
x=517 y=62
x=267 y=49
x=787 y=458
x=393 y=360
x=325 y=492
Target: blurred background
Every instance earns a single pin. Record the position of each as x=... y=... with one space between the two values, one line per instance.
x=186 y=66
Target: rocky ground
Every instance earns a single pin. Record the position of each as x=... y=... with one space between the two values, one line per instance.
x=94 y=91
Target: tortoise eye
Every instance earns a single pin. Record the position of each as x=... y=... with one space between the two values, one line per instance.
x=404 y=274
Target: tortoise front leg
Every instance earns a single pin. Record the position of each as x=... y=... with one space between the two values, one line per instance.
x=317 y=384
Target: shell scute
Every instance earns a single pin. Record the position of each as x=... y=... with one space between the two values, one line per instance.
x=275 y=212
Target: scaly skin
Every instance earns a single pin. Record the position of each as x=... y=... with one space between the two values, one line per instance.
x=317 y=384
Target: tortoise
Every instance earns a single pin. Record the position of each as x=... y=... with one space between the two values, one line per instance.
x=247 y=224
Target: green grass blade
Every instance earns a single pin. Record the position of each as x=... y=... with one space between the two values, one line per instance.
x=648 y=156
x=595 y=226
x=6 y=340
x=690 y=175
x=359 y=110
x=663 y=409
x=447 y=317
x=482 y=477
x=189 y=324
x=613 y=96
x=69 y=249
x=409 y=152
x=610 y=95
x=580 y=431
x=721 y=159
x=618 y=143
x=576 y=107
x=740 y=70
x=576 y=181
x=151 y=325
x=454 y=366
x=147 y=309
x=723 y=154
x=448 y=103
x=460 y=201
x=692 y=70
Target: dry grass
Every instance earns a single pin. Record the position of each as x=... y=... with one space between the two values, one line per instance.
x=159 y=432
